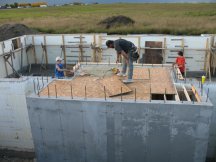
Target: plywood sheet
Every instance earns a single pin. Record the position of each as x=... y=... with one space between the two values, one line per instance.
x=114 y=86
x=141 y=73
x=159 y=82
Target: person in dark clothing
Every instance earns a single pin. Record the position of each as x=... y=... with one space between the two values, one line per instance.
x=129 y=52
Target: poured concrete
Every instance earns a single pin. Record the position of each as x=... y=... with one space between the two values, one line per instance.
x=100 y=131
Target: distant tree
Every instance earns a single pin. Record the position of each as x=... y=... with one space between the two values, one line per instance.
x=12 y=6
x=7 y=5
x=15 y=4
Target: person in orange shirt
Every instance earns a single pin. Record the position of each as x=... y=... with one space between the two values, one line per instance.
x=180 y=62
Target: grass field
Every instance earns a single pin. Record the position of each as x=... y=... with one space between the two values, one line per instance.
x=177 y=19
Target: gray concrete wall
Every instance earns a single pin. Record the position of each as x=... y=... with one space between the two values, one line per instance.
x=103 y=131
x=211 y=153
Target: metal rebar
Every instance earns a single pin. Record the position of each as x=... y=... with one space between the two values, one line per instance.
x=109 y=60
x=192 y=99
x=71 y=91
x=135 y=94
x=42 y=81
x=48 y=91
x=105 y=93
x=121 y=93
x=55 y=91
x=85 y=93
x=47 y=78
x=38 y=84
x=207 y=95
x=34 y=86
x=150 y=93
x=165 y=95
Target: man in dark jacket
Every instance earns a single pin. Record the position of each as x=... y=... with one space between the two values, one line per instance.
x=129 y=52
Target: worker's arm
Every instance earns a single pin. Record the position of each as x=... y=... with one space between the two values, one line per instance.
x=57 y=67
x=118 y=57
x=125 y=55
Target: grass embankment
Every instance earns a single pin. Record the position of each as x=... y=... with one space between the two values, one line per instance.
x=177 y=19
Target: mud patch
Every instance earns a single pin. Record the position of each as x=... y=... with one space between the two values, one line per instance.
x=116 y=21
x=8 y=31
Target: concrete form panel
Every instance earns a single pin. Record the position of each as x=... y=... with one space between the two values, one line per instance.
x=54 y=40
x=118 y=131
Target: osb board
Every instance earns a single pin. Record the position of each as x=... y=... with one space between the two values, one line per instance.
x=114 y=86
x=161 y=81
x=81 y=87
x=142 y=91
x=141 y=73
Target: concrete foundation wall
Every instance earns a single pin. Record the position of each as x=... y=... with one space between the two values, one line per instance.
x=15 y=132
x=211 y=87
x=99 y=131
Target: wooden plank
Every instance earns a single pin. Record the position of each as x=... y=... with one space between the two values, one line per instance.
x=196 y=94
x=113 y=86
x=33 y=50
x=140 y=73
x=64 y=51
x=186 y=93
x=45 y=50
x=6 y=70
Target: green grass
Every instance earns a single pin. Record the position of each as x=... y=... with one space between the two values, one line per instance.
x=177 y=19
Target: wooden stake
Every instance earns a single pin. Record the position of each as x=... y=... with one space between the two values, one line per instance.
x=33 y=50
x=63 y=50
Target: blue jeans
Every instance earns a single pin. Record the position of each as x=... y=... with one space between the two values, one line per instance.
x=130 y=65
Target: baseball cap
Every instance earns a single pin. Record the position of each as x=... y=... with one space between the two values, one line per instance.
x=58 y=58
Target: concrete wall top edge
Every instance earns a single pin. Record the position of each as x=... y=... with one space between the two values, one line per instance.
x=100 y=100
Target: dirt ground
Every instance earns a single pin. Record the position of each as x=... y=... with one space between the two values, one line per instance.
x=8 y=31
x=116 y=21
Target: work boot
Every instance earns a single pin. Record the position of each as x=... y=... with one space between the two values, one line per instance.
x=128 y=81
x=122 y=74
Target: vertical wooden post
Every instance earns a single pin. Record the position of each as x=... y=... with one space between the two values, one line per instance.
x=63 y=50
x=45 y=50
x=6 y=70
x=81 y=48
x=33 y=50
x=94 y=50
x=100 y=53
x=206 y=57
x=164 y=51
x=139 y=48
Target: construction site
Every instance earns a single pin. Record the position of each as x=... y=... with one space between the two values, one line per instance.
x=91 y=115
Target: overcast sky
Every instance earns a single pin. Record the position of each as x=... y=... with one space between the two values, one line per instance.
x=51 y=2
